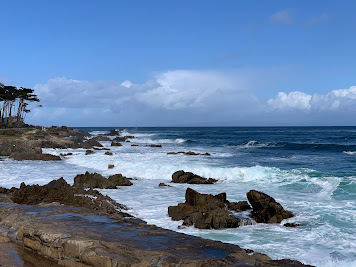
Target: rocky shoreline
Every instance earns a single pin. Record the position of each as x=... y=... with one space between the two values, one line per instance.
x=76 y=226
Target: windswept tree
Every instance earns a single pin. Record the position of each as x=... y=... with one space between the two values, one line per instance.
x=13 y=104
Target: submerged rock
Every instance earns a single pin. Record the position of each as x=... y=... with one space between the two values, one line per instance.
x=291 y=224
x=111 y=166
x=266 y=209
x=113 y=143
x=204 y=211
x=190 y=178
x=153 y=145
x=89 y=152
x=108 y=153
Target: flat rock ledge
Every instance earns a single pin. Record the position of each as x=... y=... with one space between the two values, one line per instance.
x=57 y=235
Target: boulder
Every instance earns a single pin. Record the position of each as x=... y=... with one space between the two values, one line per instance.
x=111 y=166
x=123 y=138
x=89 y=152
x=119 y=180
x=190 y=178
x=101 y=138
x=291 y=224
x=92 y=180
x=238 y=206
x=266 y=209
x=108 y=153
x=91 y=143
x=113 y=143
x=163 y=184
x=134 y=145
x=204 y=211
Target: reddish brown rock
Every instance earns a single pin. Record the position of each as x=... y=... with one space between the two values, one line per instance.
x=190 y=178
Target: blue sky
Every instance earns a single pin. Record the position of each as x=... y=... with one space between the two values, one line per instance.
x=204 y=63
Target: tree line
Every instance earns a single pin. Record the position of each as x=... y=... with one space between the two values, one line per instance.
x=14 y=104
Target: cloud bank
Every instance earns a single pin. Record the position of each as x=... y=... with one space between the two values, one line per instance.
x=186 y=98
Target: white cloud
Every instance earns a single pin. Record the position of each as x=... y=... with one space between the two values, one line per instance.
x=317 y=19
x=293 y=100
x=281 y=17
x=126 y=84
x=335 y=100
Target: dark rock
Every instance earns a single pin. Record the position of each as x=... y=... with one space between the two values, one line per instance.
x=61 y=192
x=111 y=166
x=113 y=143
x=89 y=152
x=101 y=138
x=238 y=206
x=189 y=153
x=33 y=156
x=291 y=224
x=119 y=180
x=204 y=211
x=92 y=180
x=4 y=190
x=190 y=178
x=104 y=148
x=91 y=143
x=108 y=153
x=114 y=132
x=123 y=138
x=66 y=154
x=172 y=153
x=163 y=184
x=153 y=145
x=266 y=209
x=134 y=145
x=8 y=147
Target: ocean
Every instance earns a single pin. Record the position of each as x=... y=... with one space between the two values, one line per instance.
x=311 y=171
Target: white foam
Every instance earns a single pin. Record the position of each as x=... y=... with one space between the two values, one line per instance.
x=350 y=152
x=253 y=144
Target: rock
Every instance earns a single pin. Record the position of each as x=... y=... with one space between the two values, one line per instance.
x=8 y=147
x=123 y=138
x=154 y=145
x=92 y=180
x=163 y=184
x=89 y=152
x=204 y=211
x=66 y=154
x=291 y=224
x=91 y=143
x=104 y=148
x=114 y=132
x=134 y=145
x=61 y=192
x=238 y=206
x=172 y=153
x=33 y=156
x=4 y=190
x=111 y=166
x=266 y=209
x=119 y=180
x=189 y=153
x=113 y=143
x=190 y=178
x=101 y=138
x=108 y=153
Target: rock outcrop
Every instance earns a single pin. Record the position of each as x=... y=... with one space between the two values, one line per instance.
x=189 y=153
x=60 y=191
x=183 y=177
x=91 y=143
x=266 y=209
x=204 y=211
x=96 y=180
x=113 y=143
x=238 y=206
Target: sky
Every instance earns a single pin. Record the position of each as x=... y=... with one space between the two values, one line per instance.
x=182 y=63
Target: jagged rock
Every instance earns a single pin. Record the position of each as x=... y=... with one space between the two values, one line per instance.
x=190 y=178
x=111 y=166
x=189 y=153
x=238 y=206
x=113 y=143
x=33 y=156
x=92 y=180
x=153 y=145
x=104 y=148
x=108 y=153
x=101 y=138
x=123 y=138
x=204 y=211
x=89 y=152
x=266 y=209
x=119 y=180
x=114 y=132
x=91 y=143
x=61 y=192
x=8 y=147
x=66 y=154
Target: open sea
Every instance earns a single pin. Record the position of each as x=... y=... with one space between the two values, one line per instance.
x=311 y=171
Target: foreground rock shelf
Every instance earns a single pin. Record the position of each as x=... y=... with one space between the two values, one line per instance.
x=70 y=236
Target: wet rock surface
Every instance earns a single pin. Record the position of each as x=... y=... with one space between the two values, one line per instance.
x=96 y=180
x=119 y=180
x=190 y=178
x=33 y=156
x=266 y=209
x=204 y=211
x=189 y=153
x=77 y=237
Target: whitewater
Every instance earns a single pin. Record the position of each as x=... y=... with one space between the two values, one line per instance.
x=311 y=171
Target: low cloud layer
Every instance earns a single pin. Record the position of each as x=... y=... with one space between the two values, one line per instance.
x=186 y=98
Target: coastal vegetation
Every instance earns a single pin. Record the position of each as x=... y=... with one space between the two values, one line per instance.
x=14 y=105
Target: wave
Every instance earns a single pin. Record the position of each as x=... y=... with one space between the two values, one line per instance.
x=254 y=144
x=349 y=152
x=159 y=141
